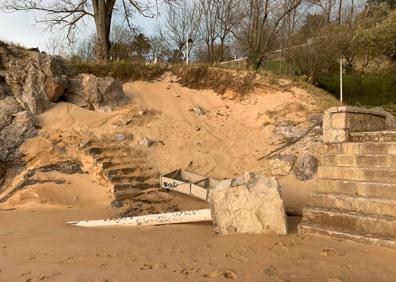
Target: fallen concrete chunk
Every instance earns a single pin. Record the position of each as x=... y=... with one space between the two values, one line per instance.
x=281 y=165
x=249 y=205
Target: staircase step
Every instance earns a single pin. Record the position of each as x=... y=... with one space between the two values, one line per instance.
x=128 y=178
x=96 y=151
x=381 y=136
x=384 y=161
x=362 y=148
x=382 y=175
x=102 y=143
x=359 y=205
x=355 y=188
x=350 y=222
x=108 y=165
x=135 y=185
x=119 y=171
x=127 y=194
x=117 y=158
x=339 y=234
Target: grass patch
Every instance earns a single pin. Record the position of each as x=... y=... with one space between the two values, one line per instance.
x=218 y=79
x=370 y=89
x=324 y=99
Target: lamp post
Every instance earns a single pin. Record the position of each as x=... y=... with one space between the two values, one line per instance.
x=188 y=43
x=341 y=88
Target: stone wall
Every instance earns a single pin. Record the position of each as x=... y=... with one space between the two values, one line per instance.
x=339 y=122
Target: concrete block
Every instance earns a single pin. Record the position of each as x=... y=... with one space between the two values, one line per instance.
x=350 y=222
x=363 y=189
x=342 y=160
x=251 y=204
x=361 y=205
x=381 y=175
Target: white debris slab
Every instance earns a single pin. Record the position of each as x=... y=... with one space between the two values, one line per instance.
x=250 y=204
x=203 y=215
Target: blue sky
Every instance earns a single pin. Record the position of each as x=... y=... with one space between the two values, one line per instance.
x=20 y=28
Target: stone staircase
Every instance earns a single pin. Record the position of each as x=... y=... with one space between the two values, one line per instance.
x=355 y=197
x=120 y=167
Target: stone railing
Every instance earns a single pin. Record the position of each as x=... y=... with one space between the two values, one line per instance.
x=339 y=122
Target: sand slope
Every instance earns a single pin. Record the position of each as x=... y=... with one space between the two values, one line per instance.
x=37 y=245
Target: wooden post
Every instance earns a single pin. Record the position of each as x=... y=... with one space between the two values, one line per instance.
x=204 y=215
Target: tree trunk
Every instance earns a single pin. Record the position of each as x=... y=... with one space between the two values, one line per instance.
x=103 y=11
x=339 y=11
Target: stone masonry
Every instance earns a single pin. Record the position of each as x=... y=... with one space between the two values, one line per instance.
x=355 y=197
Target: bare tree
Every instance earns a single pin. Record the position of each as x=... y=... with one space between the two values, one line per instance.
x=210 y=28
x=180 y=25
x=230 y=17
x=263 y=21
x=325 y=7
x=68 y=14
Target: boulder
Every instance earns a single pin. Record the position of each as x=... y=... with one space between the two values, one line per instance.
x=95 y=93
x=281 y=165
x=249 y=204
x=13 y=135
x=34 y=79
x=3 y=90
x=305 y=167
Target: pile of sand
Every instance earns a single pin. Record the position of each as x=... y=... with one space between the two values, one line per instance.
x=223 y=141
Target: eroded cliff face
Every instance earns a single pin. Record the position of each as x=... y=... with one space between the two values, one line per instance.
x=31 y=82
x=35 y=79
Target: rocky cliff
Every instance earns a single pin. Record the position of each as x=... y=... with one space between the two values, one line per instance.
x=31 y=82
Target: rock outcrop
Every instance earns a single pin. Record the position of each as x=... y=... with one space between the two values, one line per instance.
x=30 y=82
x=3 y=173
x=8 y=108
x=13 y=135
x=95 y=93
x=35 y=79
x=27 y=178
x=250 y=204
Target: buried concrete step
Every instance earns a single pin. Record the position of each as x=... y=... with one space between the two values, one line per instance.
x=110 y=164
x=362 y=148
x=141 y=162
x=350 y=222
x=101 y=143
x=135 y=185
x=356 y=188
x=381 y=241
x=113 y=158
x=128 y=179
x=382 y=175
x=384 y=161
x=96 y=151
x=127 y=194
x=119 y=171
x=112 y=154
x=359 y=205
x=131 y=170
x=380 y=136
